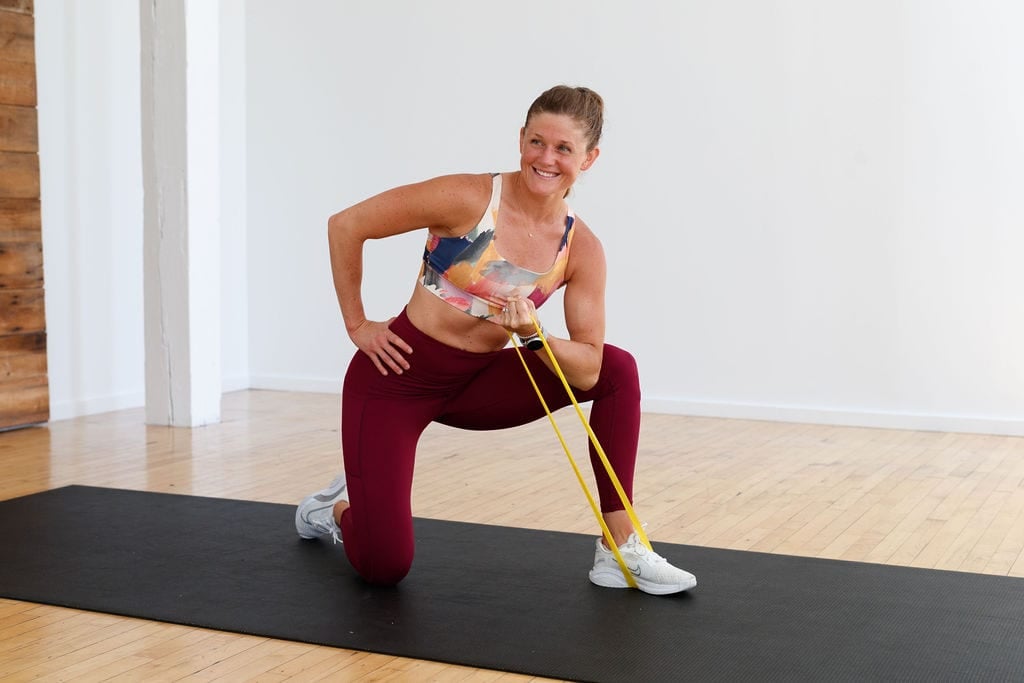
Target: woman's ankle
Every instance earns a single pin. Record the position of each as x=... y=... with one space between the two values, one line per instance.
x=339 y=510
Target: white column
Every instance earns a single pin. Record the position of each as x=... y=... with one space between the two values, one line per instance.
x=181 y=182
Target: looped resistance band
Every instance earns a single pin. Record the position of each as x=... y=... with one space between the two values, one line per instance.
x=597 y=447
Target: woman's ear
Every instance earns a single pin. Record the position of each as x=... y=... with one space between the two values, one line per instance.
x=591 y=158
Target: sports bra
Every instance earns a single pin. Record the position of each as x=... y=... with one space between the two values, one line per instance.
x=470 y=274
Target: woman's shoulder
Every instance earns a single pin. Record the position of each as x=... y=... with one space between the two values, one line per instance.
x=457 y=199
x=586 y=250
x=583 y=233
x=460 y=184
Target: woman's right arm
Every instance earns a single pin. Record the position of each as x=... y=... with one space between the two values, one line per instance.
x=446 y=205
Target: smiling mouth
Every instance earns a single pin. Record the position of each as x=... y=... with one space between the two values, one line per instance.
x=545 y=174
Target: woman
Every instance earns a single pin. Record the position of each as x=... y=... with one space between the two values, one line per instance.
x=497 y=247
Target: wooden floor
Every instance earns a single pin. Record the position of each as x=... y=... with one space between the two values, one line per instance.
x=951 y=501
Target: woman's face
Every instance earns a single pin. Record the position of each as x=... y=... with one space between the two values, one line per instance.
x=553 y=152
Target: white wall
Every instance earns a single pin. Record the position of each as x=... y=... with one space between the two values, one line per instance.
x=811 y=210
x=91 y=176
x=234 y=308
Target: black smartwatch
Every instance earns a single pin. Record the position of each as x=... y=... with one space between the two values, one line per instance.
x=533 y=341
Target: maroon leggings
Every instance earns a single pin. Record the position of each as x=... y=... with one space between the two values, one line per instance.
x=382 y=418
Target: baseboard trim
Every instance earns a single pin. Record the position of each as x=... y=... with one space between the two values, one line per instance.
x=848 y=418
x=93 y=405
x=316 y=385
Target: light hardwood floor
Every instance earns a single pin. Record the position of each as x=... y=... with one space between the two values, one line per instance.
x=950 y=501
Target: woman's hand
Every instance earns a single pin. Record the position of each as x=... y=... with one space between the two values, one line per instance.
x=385 y=348
x=518 y=316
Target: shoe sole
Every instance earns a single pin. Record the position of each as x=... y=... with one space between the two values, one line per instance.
x=617 y=580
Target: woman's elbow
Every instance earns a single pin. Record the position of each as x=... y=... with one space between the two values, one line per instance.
x=588 y=381
x=335 y=224
x=341 y=232
x=589 y=376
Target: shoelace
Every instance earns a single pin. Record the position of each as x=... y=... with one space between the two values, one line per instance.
x=326 y=527
x=333 y=531
x=655 y=558
x=640 y=550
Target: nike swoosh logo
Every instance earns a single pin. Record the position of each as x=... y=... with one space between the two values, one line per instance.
x=326 y=497
x=306 y=517
x=635 y=570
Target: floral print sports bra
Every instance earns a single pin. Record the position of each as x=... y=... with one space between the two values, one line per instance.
x=470 y=274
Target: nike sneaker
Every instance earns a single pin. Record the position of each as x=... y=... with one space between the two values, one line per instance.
x=651 y=572
x=315 y=515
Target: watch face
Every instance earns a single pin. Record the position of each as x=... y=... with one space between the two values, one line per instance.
x=535 y=344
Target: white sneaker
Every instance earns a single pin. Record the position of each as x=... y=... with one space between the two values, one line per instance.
x=652 y=572
x=315 y=514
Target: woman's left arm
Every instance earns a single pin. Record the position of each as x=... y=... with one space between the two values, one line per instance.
x=580 y=355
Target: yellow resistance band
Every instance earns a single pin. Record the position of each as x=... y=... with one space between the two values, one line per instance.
x=597 y=447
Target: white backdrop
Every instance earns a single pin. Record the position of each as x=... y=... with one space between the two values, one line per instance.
x=811 y=211
x=90 y=137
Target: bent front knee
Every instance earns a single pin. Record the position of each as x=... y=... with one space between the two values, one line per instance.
x=619 y=367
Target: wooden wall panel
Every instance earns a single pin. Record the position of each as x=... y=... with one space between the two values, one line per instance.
x=17 y=83
x=19 y=175
x=20 y=220
x=23 y=406
x=14 y=344
x=24 y=386
x=17 y=33
x=23 y=311
x=21 y=265
x=19 y=129
x=26 y=369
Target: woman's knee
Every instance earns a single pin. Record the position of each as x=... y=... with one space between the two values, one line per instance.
x=384 y=567
x=379 y=540
x=619 y=368
x=387 y=575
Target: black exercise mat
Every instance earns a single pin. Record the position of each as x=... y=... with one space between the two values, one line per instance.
x=505 y=598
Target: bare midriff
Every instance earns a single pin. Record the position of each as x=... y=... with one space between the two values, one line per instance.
x=452 y=327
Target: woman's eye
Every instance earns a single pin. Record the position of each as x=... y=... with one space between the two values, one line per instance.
x=563 y=148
